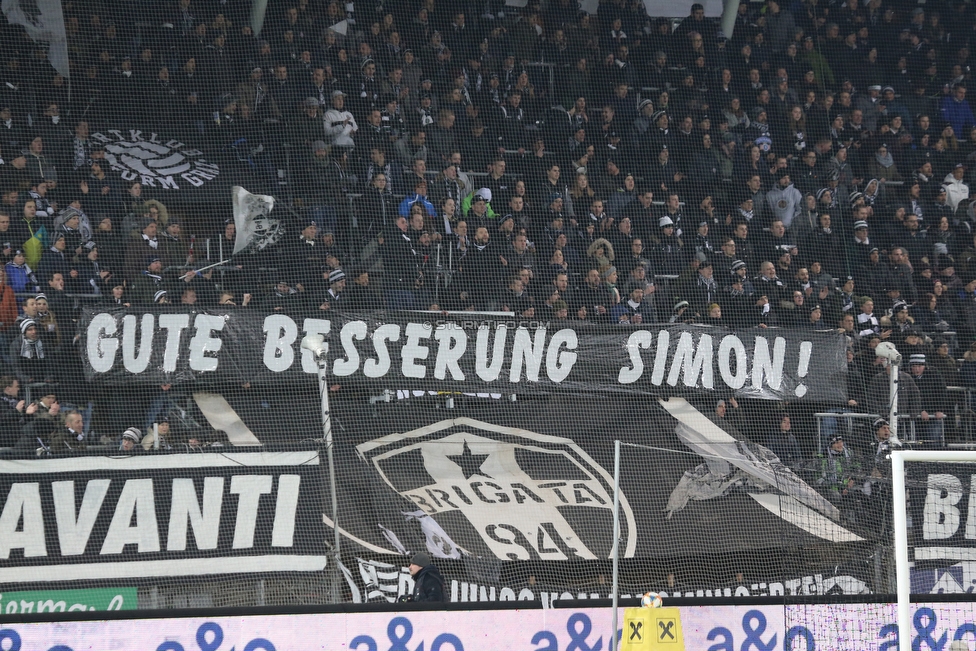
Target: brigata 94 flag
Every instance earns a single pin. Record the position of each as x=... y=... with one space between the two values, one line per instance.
x=175 y=344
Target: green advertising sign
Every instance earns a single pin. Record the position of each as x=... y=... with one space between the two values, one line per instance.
x=62 y=601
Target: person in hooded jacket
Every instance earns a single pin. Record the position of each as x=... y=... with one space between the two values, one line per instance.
x=785 y=201
x=20 y=276
x=55 y=260
x=428 y=583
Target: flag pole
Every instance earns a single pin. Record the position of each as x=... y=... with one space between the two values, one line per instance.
x=209 y=266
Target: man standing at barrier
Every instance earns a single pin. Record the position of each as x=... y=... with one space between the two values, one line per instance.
x=838 y=470
x=428 y=582
x=877 y=485
x=932 y=387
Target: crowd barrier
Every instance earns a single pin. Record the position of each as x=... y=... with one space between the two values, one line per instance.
x=838 y=627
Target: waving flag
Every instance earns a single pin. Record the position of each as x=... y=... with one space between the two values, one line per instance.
x=44 y=22
x=255 y=228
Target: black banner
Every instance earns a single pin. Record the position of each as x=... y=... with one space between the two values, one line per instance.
x=173 y=515
x=455 y=354
x=531 y=481
x=373 y=580
x=942 y=498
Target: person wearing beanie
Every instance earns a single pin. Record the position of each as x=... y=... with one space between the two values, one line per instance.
x=130 y=439
x=702 y=289
x=30 y=359
x=428 y=583
x=682 y=313
x=633 y=309
x=932 y=387
x=668 y=252
x=55 y=259
x=332 y=297
x=19 y=275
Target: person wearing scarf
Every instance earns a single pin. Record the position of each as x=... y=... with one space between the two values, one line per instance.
x=609 y=277
x=747 y=209
x=28 y=354
x=333 y=296
x=149 y=281
x=706 y=289
x=635 y=310
x=827 y=199
x=883 y=165
x=72 y=436
x=282 y=296
x=117 y=297
x=872 y=191
x=47 y=323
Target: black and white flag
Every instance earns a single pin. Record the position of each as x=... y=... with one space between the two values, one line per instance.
x=43 y=20
x=256 y=229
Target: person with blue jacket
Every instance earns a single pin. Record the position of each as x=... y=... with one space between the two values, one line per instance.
x=20 y=276
x=956 y=110
x=419 y=196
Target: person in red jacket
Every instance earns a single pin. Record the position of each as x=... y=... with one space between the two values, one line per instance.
x=8 y=304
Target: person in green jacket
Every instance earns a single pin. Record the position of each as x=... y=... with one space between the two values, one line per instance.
x=817 y=62
x=480 y=196
x=839 y=473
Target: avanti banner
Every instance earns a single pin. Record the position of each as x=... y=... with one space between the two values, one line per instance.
x=100 y=519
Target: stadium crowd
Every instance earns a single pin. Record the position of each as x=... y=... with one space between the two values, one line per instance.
x=812 y=171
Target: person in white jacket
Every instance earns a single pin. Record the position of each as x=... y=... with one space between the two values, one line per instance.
x=956 y=190
x=340 y=125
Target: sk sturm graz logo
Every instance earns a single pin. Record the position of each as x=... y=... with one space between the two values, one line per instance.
x=154 y=160
x=528 y=496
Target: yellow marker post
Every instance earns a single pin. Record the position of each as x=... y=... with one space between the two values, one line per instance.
x=652 y=629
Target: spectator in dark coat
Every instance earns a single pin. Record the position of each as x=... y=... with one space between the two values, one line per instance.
x=30 y=359
x=784 y=445
x=428 y=584
x=934 y=401
x=909 y=398
x=54 y=260
x=399 y=265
